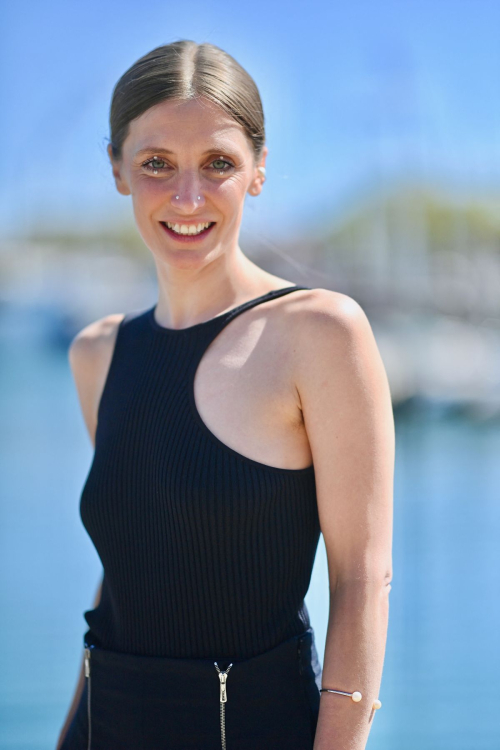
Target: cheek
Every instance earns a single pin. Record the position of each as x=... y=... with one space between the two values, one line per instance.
x=144 y=189
x=147 y=196
x=230 y=191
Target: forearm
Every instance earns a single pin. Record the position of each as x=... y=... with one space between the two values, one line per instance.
x=353 y=660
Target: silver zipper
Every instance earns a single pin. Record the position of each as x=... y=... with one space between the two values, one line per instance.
x=223 y=701
x=87 y=675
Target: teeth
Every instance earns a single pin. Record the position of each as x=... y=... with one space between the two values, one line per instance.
x=185 y=229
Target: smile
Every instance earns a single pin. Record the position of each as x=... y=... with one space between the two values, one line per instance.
x=187 y=232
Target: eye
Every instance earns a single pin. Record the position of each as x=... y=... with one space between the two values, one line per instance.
x=151 y=165
x=222 y=161
x=221 y=165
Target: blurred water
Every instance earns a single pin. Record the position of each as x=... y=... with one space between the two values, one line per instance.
x=443 y=656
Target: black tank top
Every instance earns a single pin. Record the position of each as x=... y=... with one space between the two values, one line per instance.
x=205 y=552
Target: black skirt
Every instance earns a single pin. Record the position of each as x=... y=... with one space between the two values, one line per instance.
x=155 y=703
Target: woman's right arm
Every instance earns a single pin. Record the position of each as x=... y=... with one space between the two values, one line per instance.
x=89 y=355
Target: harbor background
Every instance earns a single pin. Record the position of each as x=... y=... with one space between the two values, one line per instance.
x=383 y=182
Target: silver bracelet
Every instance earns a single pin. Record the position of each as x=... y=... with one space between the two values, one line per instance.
x=356 y=696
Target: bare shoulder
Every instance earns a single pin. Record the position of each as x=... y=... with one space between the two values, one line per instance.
x=90 y=353
x=335 y=347
x=94 y=343
x=323 y=316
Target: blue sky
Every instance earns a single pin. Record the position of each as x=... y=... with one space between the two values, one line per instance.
x=354 y=94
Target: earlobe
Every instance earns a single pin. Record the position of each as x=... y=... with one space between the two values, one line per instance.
x=256 y=186
x=121 y=186
x=255 y=189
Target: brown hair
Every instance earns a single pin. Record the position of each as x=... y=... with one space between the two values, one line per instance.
x=186 y=70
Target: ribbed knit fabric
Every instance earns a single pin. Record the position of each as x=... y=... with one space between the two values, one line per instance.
x=206 y=552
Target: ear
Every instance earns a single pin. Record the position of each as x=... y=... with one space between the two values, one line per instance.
x=120 y=182
x=258 y=179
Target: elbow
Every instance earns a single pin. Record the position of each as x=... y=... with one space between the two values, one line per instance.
x=387 y=580
x=368 y=581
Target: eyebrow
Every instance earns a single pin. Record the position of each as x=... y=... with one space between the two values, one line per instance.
x=158 y=150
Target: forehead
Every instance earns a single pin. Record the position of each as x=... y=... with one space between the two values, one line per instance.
x=178 y=124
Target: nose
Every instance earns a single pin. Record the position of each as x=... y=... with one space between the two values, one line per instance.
x=187 y=195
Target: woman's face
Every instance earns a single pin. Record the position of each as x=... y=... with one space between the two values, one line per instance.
x=196 y=150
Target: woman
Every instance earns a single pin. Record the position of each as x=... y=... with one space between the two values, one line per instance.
x=234 y=422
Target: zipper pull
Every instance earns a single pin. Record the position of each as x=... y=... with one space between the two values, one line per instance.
x=223 y=693
x=223 y=680
x=87 y=662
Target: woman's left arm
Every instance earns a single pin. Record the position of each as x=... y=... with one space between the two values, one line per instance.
x=347 y=409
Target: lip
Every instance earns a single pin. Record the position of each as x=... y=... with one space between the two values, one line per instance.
x=187 y=237
x=188 y=223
